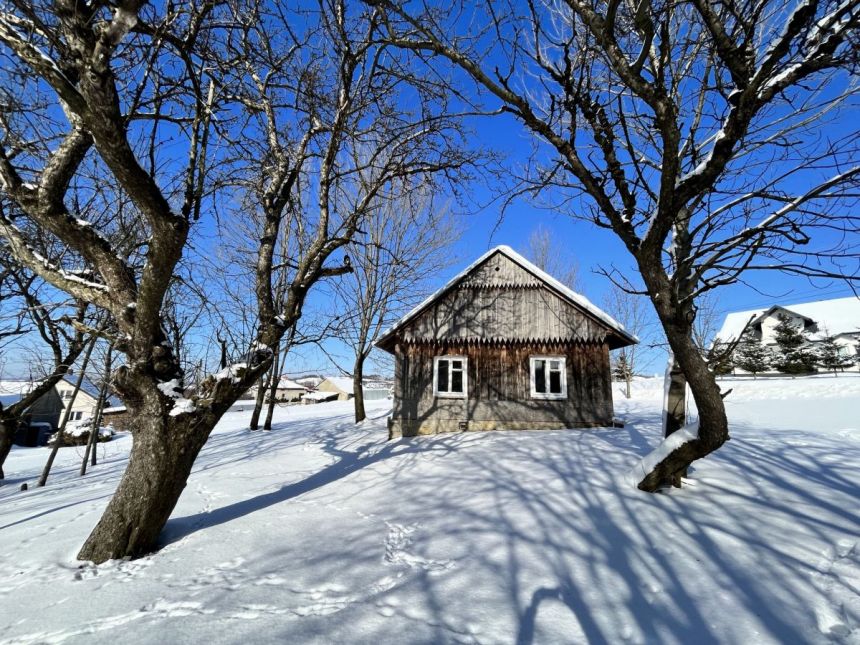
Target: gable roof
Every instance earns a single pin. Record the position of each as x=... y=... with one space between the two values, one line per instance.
x=342 y=383
x=836 y=316
x=567 y=294
x=88 y=387
x=289 y=384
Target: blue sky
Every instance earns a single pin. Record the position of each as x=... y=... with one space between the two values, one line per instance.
x=590 y=247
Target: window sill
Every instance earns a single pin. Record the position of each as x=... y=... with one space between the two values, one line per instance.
x=446 y=395
x=549 y=397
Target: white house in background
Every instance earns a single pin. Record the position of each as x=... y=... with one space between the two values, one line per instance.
x=340 y=385
x=340 y=388
x=839 y=318
x=46 y=413
x=289 y=390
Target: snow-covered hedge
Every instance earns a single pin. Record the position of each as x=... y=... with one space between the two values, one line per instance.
x=77 y=433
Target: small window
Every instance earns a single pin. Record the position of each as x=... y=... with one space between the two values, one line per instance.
x=76 y=416
x=548 y=377
x=449 y=377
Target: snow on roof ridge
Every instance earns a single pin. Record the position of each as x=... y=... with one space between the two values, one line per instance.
x=578 y=298
x=288 y=383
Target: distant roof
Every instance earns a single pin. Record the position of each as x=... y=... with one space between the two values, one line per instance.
x=343 y=383
x=288 y=384
x=563 y=290
x=319 y=396
x=16 y=387
x=11 y=391
x=89 y=387
x=834 y=317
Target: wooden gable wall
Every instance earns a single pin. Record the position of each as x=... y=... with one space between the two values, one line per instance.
x=498 y=302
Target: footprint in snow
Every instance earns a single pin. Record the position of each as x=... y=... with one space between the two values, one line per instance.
x=397 y=543
x=838 y=616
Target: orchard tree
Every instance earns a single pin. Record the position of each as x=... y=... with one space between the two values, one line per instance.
x=404 y=244
x=693 y=131
x=263 y=106
x=57 y=325
x=629 y=309
x=553 y=257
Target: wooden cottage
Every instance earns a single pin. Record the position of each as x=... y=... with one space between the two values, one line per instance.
x=502 y=346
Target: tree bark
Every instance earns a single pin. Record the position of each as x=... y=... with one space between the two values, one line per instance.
x=357 y=390
x=161 y=459
x=713 y=429
x=7 y=436
x=277 y=368
x=262 y=387
x=676 y=404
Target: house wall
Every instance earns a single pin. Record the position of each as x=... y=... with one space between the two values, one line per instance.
x=84 y=403
x=769 y=324
x=47 y=408
x=288 y=394
x=499 y=389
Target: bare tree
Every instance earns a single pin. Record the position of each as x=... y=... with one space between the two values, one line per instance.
x=630 y=310
x=550 y=256
x=59 y=437
x=55 y=329
x=294 y=92
x=692 y=131
x=403 y=245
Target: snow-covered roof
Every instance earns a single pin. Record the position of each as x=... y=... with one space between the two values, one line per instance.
x=319 y=396
x=343 y=383
x=87 y=386
x=13 y=390
x=564 y=290
x=836 y=316
x=288 y=384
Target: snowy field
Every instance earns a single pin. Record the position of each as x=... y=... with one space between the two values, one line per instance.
x=322 y=532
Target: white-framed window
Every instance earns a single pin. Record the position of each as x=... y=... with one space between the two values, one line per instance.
x=450 y=377
x=76 y=416
x=548 y=377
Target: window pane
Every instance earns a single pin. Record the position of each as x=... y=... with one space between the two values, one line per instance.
x=457 y=380
x=555 y=382
x=554 y=365
x=540 y=377
x=442 y=377
x=457 y=365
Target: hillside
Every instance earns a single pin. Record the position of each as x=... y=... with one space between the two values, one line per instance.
x=324 y=532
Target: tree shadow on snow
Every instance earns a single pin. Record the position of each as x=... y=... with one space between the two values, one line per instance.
x=542 y=539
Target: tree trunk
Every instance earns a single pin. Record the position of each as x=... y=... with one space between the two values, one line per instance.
x=262 y=386
x=97 y=417
x=357 y=390
x=7 y=436
x=277 y=368
x=161 y=459
x=675 y=405
x=628 y=378
x=713 y=430
x=46 y=471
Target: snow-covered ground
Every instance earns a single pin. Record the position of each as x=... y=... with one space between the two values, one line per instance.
x=323 y=532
